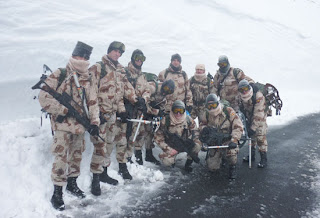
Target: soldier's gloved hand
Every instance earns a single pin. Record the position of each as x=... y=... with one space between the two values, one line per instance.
x=123 y=116
x=161 y=113
x=189 y=108
x=93 y=130
x=141 y=103
x=232 y=145
x=251 y=133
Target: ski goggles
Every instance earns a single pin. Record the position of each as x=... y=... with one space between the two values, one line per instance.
x=244 y=89
x=139 y=57
x=223 y=64
x=178 y=110
x=167 y=90
x=213 y=105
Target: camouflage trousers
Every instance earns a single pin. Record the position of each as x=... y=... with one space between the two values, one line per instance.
x=169 y=160
x=67 y=149
x=215 y=156
x=114 y=133
x=260 y=138
x=144 y=137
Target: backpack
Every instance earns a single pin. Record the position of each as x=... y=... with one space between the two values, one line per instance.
x=193 y=80
x=271 y=95
x=151 y=77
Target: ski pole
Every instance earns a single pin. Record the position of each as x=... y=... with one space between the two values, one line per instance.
x=249 y=143
x=137 y=131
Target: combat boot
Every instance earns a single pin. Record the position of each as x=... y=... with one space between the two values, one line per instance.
x=56 y=200
x=150 y=157
x=187 y=166
x=123 y=171
x=104 y=177
x=263 y=163
x=95 y=185
x=73 y=188
x=253 y=155
x=232 y=172
x=138 y=154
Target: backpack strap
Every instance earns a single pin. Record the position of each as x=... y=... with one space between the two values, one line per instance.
x=103 y=69
x=235 y=73
x=62 y=76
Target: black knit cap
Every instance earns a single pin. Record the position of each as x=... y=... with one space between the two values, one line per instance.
x=82 y=50
x=176 y=56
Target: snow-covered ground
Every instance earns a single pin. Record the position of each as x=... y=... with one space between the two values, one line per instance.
x=270 y=40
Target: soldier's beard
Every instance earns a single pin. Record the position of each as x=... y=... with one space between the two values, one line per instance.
x=80 y=66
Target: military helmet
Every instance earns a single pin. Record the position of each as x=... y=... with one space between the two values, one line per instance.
x=167 y=87
x=82 y=50
x=117 y=45
x=223 y=64
x=244 y=86
x=213 y=100
x=178 y=105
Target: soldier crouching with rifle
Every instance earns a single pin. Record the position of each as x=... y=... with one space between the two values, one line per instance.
x=178 y=133
x=228 y=130
x=69 y=97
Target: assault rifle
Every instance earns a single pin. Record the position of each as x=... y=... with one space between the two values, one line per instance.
x=211 y=136
x=65 y=100
x=178 y=143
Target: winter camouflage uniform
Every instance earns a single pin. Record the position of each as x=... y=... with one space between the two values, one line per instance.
x=111 y=89
x=182 y=87
x=139 y=82
x=229 y=86
x=231 y=125
x=257 y=116
x=200 y=90
x=68 y=143
x=159 y=139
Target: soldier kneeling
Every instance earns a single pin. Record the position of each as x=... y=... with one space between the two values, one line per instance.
x=178 y=133
x=226 y=122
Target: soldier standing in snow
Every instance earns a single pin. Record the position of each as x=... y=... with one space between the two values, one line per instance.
x=253 y=106
x=226 y=81
x=155 y=109
x=68 y=136
x=177 y=126
x=201 y=86
x=142 y=90
x=225 y=120
x=111 y=87
x=182 y=87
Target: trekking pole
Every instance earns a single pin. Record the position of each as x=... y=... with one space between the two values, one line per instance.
x=221 y=146
x=249 y=143
x=137 y=131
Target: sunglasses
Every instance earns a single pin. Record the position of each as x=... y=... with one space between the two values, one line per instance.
x=222 y=64
x=178 y=110
x=212 y=105
x=139 y=57
x=244 y=89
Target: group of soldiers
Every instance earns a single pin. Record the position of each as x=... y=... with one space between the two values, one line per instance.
x=113 y=96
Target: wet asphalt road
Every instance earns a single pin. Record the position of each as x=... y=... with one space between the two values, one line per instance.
x=280 y=190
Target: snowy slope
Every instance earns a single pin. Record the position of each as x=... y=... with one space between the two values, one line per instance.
x=272 y=41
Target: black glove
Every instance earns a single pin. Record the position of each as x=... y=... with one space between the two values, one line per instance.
x=60 y=118
x=161 y=113
x=251 y=132
x=141 y=103
x=189 y=109
x=93 y=130
x=123 y=116
x=232 y=145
